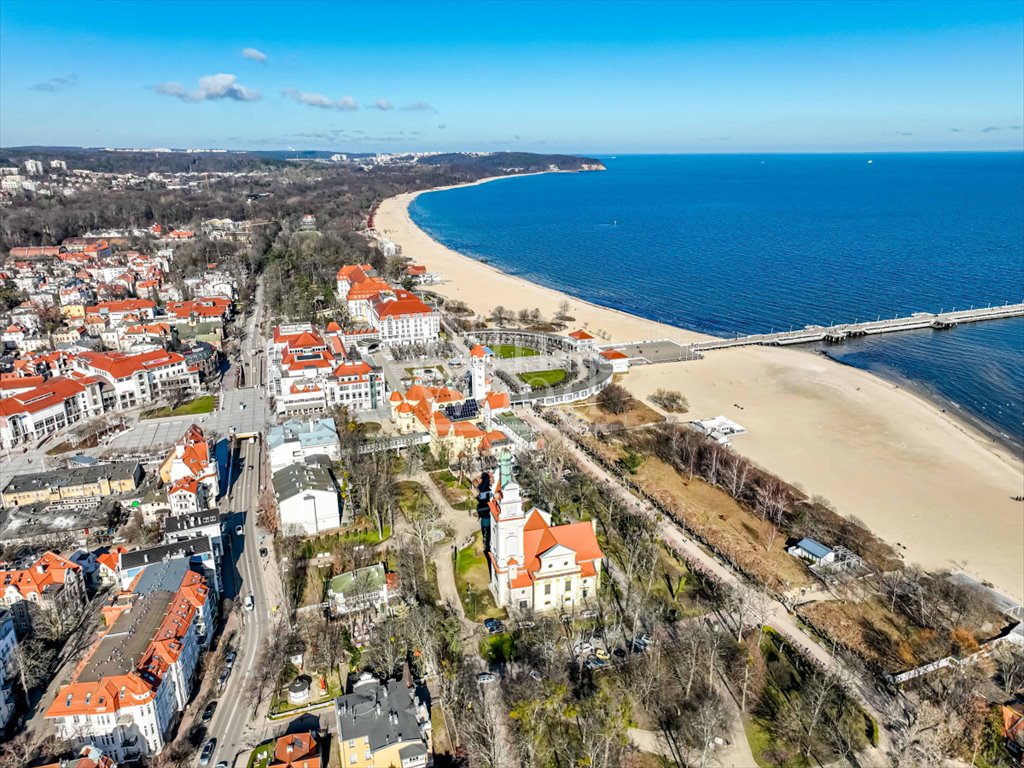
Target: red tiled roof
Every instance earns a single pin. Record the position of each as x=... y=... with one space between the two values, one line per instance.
x=49 y=569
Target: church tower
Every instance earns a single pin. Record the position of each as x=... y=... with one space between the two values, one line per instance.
x=507 y=522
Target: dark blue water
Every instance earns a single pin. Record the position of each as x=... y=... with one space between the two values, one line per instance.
x=741 y=243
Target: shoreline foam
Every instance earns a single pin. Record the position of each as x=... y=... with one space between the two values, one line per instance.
x=927 y=480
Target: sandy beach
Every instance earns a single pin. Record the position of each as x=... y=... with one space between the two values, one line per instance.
x=913 y=474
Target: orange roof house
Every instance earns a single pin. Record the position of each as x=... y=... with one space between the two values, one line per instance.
x=297 y=750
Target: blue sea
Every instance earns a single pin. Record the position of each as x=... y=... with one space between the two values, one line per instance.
x=728 y=244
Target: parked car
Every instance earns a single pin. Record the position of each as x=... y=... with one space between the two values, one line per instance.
x=485 y=677
x=263 y=551
x=582 y=649
x=535 y=675
x=494 y=626
x=222 y=764
x=526 y=625
x=239 y=530
x=619 y=653
x=593 y=663
x=208 y=711
x=223 y=677
x=249 y=603
x=230 y=658
x=602 y=654
x=207 y=753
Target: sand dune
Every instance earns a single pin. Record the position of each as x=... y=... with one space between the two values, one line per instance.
x=913 y=474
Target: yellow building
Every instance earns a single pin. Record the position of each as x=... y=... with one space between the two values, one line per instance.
x=75 y=483
x=383 y=724
x=73 y=311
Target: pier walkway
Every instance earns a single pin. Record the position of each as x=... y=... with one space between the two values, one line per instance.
x=835 y=333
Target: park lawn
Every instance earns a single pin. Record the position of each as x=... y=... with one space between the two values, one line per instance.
x=280 y=705
x=203 y=404
x=788 y=675
x=638 y=414
x=267 y=750
x=507 y=351
x=498 y=649
x=539 y=379
x=454 y=492
x=472 y=579
x=364 y=531
x=739 y=534
x=410 y=495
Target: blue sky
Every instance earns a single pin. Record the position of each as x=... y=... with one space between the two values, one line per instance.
x=538 y=76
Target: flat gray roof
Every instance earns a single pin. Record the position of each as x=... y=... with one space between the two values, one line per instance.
x=80 y=475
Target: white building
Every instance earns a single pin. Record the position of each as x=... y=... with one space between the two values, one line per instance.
x=362 y=589
x=535 y=565
x=8 y=645
x=129 y=693
x=33 y=167
x=401 y=317
x=812 y=551
x=141 y=379
x=307 y=498
x=295 y=441
x=31 y=415
x=311 y=374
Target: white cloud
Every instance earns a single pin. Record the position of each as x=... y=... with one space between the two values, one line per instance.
x=419 y=106
x=318 y=100
x=254 y=54
x=383 y=105
x=57 y=83
x=211 y=88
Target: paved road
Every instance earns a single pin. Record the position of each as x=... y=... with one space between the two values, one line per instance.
x=231 y=724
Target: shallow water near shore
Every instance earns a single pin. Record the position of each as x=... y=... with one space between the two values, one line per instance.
x=744 y=243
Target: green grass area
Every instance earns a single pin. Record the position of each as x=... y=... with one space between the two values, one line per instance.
x=789 y=674
x=202 y=404
x=472 y=578
x=365 y=533
x=410 y=495
x=280 y=705
x=539 y=379
x=499 y=648
x=266 y=747
x=506 y=351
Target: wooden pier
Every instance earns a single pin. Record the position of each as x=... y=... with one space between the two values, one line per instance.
x=837 y=333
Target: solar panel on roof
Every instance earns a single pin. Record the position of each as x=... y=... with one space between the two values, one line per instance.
x=463 y=411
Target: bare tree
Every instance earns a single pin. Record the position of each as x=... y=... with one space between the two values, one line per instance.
x=32 y=662
x=424 y=525
x=482 y=733
x=614 y=399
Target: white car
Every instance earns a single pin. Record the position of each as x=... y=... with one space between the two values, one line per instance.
x=238 y=530
x=250 y=604
x=582 y=649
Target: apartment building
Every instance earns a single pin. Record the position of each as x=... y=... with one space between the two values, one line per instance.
x=383 y=724
x=128 y=693
x=72 y=484
x=51 y=592
x=8 y=645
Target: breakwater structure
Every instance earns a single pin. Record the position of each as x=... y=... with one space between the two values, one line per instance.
x=838 y=333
